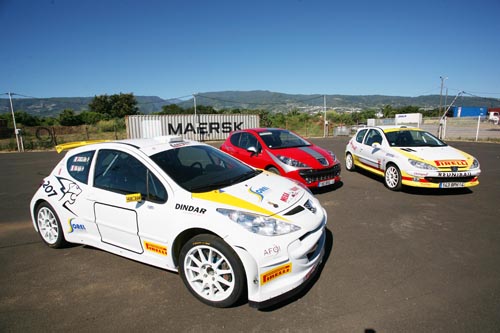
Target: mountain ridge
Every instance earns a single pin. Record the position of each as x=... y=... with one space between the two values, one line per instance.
x=254 y=99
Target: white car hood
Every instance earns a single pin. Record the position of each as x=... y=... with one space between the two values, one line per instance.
x=434 y=155
x=265 y=193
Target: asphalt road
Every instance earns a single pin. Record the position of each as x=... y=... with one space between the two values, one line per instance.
x=412 y=261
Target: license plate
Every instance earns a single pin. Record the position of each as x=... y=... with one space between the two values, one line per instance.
x=326 y=182
x=451 y=185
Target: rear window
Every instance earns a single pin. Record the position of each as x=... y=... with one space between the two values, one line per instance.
x=79 y=166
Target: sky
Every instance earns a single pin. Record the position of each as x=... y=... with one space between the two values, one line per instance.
x=176 y=48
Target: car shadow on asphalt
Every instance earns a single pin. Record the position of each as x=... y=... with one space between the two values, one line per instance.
x=321 y=190
x=301 y=291
x=418 y=190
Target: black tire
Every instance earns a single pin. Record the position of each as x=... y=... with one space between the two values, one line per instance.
x=349 y=162
x=274 y=170
x=49 y=226
x=221 y=285
x=392 y=178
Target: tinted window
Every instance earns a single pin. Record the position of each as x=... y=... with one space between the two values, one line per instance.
x=413 y=138
x=202 y=168
x=79 y=166
x=372 y=137
x=235 y=139
x=275 y=138
x=248 y=140
x=122 y=173
x=360 y=135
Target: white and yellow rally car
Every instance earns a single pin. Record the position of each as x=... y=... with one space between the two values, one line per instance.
x=410 y=156
x=230 y=230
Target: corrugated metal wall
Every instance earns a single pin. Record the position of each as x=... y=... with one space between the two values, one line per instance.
x=202 y=127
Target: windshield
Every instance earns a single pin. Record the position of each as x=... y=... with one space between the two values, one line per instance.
x=413 y=138
x=277 y=139
x=202 y=168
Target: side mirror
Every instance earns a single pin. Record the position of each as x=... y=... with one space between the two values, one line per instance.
x=376 y=145
x=253 y=150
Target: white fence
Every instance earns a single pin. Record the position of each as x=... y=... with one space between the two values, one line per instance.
x=463 y=128
x=201 y=127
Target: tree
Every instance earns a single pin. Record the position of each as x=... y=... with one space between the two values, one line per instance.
x=123 y=105
x=26 y=119
x=114 y=106
x=90 y=118
x=171 y=109
x=101 y=104
x=68 y=118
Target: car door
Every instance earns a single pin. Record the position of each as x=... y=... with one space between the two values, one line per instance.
x=371 y=153
x=122 y=217
x=246 y=141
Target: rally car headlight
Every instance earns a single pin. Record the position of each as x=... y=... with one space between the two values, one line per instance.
x=259 y=224
x=334 y=157
x=421 y=165
x=291 y=161
x=475 y=164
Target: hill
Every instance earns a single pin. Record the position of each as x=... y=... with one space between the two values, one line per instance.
x=258 y=99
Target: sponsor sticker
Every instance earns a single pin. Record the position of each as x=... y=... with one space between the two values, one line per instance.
x=274 y=250
x=190 y=209
x=155 y=248
x=77 y=168
x=259 y=192
x=275 y=273
x=81 y=159
x=454 y=174
x=451 y=163
x=75 y=226
x=134 y=197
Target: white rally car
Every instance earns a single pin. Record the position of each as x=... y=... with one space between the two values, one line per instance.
x=410 y=156
x=230 y=230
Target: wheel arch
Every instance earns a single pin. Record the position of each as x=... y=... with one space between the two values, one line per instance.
x=183 y=238
x=34 y=208
x=269 y=166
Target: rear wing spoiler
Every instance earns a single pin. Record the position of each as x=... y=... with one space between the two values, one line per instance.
x=70 y=145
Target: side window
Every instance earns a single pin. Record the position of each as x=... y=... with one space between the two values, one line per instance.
x=372 y=137
x=360 y=135
x=235 y=139
x=248 y=140
x=79 y=165
x=120 y=172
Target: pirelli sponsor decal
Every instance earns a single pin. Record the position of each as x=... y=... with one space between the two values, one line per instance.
x=275 y=273
x=445 y=163
x=158 y=249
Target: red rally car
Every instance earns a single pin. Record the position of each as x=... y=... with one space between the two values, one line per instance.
x=283 y=152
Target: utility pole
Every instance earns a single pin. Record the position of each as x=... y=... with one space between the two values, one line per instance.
x=195 y=119
x=325 y=127
x=14 y=122
x=194 y=101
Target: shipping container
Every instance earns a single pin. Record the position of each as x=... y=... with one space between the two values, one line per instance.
x=200 y=127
